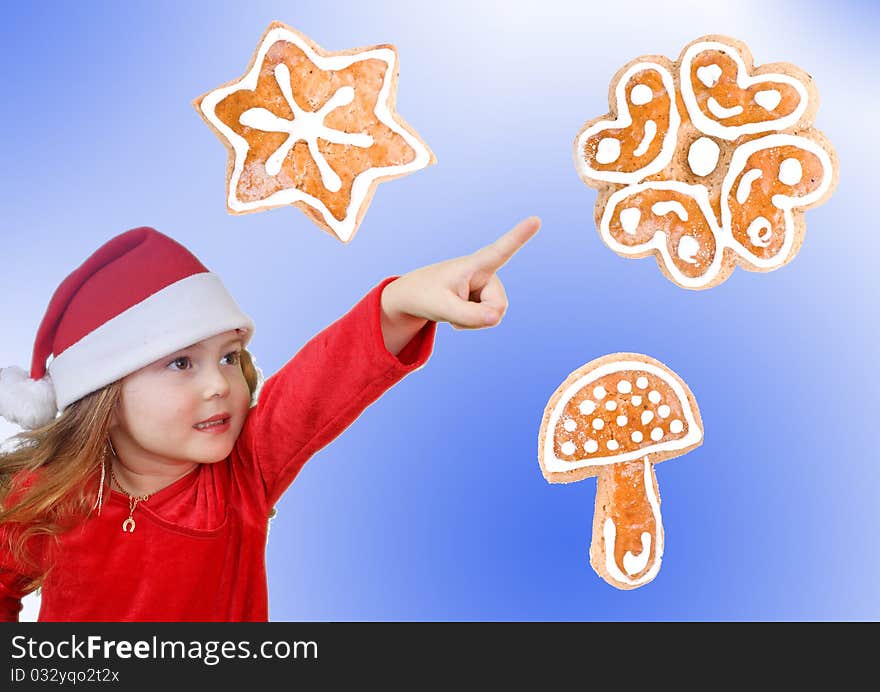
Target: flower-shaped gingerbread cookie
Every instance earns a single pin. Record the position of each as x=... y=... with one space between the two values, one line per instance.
x=707 y=162
x=312 y=128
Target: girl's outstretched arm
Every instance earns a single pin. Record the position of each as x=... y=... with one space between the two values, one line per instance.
x=465 y=291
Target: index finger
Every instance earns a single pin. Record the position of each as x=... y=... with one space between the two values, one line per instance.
x=495 y=255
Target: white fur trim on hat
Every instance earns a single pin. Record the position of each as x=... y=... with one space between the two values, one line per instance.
x=26 y=402
x=180 y=315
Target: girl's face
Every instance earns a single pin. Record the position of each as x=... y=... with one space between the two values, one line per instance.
x=163 y=406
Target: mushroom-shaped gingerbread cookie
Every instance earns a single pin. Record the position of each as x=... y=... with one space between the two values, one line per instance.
x=615 y=418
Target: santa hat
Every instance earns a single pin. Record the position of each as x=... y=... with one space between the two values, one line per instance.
x=139 y=297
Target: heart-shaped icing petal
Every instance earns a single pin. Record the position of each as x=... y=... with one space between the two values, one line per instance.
x=672 y=220
x=641 y=141
x=767 y=179
x=723 y=100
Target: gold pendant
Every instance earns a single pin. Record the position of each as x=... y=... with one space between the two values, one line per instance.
x=128 y=523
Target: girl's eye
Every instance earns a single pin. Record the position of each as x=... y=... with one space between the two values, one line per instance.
x=182 y=361
x=233 y=356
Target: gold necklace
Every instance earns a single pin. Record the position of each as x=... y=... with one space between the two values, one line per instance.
x=128 y=524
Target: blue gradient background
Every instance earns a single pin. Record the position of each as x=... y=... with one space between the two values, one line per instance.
x=432 y=505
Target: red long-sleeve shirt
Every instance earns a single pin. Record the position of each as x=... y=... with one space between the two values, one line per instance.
x=198 y=552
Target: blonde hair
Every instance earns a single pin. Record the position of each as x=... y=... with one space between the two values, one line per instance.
x=65 y=459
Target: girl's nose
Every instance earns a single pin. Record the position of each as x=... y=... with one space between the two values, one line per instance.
x=217 y=385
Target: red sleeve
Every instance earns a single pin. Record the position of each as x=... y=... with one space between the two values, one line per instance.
x=10 y=600
x=323 y=389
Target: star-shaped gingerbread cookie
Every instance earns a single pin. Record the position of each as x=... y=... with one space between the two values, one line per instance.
x=313 y=129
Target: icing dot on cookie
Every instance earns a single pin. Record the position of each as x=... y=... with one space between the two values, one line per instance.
x=703 y=156
x=611 y=405
x=676 y=426
x=688 y=247
x=568 y=448
x=663 y=411
x=647 y=417
x=637 y=436
x=624 y=387
x=591 y=446
x=790 y=172
x=637 y=401
x=587 y=407
x=709 y=74
x=642 y=382
x=612 y=445
x=657 y=434
x=599 y=392
x=654 y=396
x=768 y=99
x=641 y=94
x=569 y=425
x=629 y=219
x=598 y=424
x=622 y=420
x=608 y=150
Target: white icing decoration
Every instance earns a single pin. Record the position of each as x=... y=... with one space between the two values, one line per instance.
x=631 y=563
x=674 y=206
x=598 y=424
x=657 y=434
x=599 y=392
x=688 y=247
x=647 y=417
x=647 y=138
x=768 y=99
x=568 y=448
x=305 y=126
x=624 y=387
x=363 y=183
x=623 y=367
x=720 y=111
x=608 y=150
x=611 y=405
x=703 y=156
x=587 y=407
x=790 y=172
x=744 y=189
x=613 y=445
x=622 y=420
x=712 y=127
x=591 y=446
x=760 y=232
x=570 y=425
x=676 y=426
x=623 y=121
x=637 y=400
x=629 y=219
x=641 y=94
x=783 y=202
x=637 y=436
x=709 y=74
x=654 y=396
x=664 y=411
x=642 y=382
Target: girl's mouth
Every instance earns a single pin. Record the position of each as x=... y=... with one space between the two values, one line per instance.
x=216 y=425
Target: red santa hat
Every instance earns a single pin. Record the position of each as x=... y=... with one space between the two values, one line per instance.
x=139 y=297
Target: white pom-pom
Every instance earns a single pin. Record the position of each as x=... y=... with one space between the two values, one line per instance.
x=26 y=402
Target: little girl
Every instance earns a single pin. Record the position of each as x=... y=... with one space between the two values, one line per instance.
x=148 y=497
